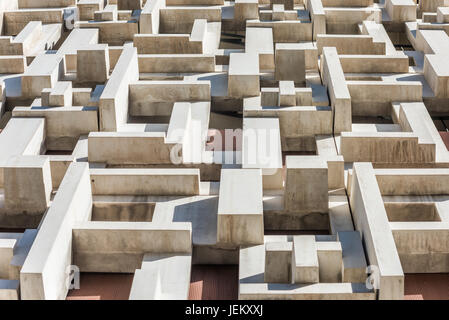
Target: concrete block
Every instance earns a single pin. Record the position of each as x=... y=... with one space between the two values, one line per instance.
x=87 y=8
x=287 y=94
x=260 y=41
x=240 y=210
x=401 y=10
x=305 y=267
x=96 y=243
x=288 y=4
x=76 y=39
x=436 y=72
x=176 y=181
x=161 y=277
x=246 y=10
x=278 y=12
x=306 y=184
x=261 y=148
x=7 y=247
x=442 y=15
x=43 y=73
x=354 y=262
x=334 y=79
x=371 y=220
x=60 y=95
x=44 y=274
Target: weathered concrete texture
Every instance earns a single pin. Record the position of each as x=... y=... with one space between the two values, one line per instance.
x=371 y=220
x=302 y=173
x=301 y=142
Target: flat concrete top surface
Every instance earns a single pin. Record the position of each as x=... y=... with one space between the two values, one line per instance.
x=259 y=40
x=240 y=191
x=243 y=64
x=241 y=149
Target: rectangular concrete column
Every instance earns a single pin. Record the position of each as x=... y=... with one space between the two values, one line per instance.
x=260 y=41
x=261 y=148
x=278 y=261
x=87 y=8
x=290 y=62
x=9 y=289
x=240 y=210
x=334 y=79
x=58 y=96
x=305 y=260
x=330 y=259
x=130 y=4
x=278 y=12
x=443 y=15
x=7 y=247
x=93 y=63
x=288 y=4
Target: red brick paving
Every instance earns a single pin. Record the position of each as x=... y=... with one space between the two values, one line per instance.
x=431 y=286
x=103 y=286
x=214 y=282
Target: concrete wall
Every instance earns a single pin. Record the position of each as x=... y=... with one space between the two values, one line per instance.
x=114 y=99
x=45 y=272
x=135 y=148
x=176 y=182
x=370 y=219
x=121 y=246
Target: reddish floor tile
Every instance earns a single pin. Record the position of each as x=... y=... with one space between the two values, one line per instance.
x=432 y=286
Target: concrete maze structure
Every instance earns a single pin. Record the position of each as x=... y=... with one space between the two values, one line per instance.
x=302 y=142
